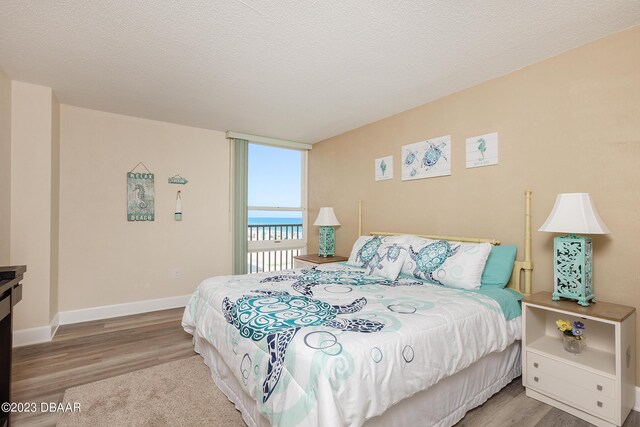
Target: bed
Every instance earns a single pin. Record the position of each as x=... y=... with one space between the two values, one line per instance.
x=333 y=345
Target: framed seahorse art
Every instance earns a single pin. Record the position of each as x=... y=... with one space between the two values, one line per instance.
x=482 y=150
x=140 y=196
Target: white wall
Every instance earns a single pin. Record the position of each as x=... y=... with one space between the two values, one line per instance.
x=55 y=206
x=5 y=167
x=63 y=206
x=104 y=259
x=32 y=150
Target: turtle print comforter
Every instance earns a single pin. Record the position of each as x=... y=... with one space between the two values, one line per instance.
x=305 y=343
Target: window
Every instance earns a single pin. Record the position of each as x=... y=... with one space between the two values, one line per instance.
x=276 y=207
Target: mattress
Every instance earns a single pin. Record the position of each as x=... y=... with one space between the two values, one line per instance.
x=303 y=344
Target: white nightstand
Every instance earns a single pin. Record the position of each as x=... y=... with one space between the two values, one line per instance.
x=312 y=260
x=597 y=385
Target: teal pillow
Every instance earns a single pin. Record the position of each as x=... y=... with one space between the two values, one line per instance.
x=499 y=266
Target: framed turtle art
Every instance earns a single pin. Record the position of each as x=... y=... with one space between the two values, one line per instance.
x=427 y=159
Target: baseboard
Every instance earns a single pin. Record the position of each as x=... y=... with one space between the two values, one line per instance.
x=44 y=334
x=126 y=309
x=30 y=336
x=55 y=323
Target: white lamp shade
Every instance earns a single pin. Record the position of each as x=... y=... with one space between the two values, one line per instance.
x=326 y=217
x=574 y=213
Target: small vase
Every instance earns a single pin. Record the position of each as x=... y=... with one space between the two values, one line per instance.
x=574 y=345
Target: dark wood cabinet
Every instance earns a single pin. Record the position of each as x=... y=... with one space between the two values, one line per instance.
x=10 y=295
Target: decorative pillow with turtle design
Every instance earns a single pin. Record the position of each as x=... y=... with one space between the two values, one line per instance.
x=388 y=261
x=366 y=247
x=459 y=265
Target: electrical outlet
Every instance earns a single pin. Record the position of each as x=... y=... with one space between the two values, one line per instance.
x=176 y=273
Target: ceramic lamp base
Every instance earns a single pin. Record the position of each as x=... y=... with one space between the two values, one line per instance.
x=326 y=245
x=573 y=274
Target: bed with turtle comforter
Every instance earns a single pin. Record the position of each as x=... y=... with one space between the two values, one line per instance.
x=345 y=345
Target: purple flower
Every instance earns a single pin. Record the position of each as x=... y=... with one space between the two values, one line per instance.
x=577 y=332
x=578 y=325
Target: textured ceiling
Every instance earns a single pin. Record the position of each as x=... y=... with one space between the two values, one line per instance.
x=299 y=70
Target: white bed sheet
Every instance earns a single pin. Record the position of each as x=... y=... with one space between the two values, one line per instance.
x=442 y=405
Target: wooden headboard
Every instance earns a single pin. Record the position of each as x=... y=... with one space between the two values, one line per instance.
x=521 y=268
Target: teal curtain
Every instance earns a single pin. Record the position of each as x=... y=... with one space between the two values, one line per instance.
x=240 y=190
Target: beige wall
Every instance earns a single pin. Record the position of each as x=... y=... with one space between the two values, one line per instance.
x=104 y=259
x=568 y=124
x=31 y=199
x=5 y=167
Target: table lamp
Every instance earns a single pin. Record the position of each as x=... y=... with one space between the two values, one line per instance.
x=326 y=220
x=572 y=254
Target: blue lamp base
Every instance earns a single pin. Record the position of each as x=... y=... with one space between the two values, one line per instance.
x=573 y=269
x=326 y=245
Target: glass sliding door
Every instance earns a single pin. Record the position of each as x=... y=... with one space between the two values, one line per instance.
x=277 y=199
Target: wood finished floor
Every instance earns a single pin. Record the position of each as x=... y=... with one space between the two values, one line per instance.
x=92 y=351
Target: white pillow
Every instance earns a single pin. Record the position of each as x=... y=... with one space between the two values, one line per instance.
x=365 y=248
x=459 y=265
x=388 y=261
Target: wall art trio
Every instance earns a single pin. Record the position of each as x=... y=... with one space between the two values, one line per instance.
x=432 y=157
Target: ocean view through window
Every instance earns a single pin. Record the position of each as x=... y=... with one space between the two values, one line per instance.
x=277 y=207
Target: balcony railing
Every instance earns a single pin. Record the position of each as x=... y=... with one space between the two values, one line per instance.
x=274 y=232
x=273 y=246
x=276 y=260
